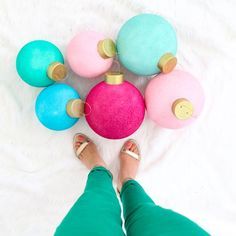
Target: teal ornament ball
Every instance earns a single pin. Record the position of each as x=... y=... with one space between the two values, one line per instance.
x=37 y=60
x=147 y=44
x=51 y=106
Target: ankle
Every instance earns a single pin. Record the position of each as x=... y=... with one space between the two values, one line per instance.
x=98 y=164
x=122 y=182
x=125 y=180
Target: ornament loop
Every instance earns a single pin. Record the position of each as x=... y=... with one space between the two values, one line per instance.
x=90 y=109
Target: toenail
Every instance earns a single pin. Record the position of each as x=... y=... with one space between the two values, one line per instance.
x=80 y=137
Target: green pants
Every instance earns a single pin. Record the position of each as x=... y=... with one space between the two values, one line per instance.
x=97 y=212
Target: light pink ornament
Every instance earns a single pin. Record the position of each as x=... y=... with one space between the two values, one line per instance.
x=114 y=108
x=174 y=100
x=90 y=54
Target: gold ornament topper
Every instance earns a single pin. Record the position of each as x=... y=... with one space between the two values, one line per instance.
x=106 y=48
x=114 y=78
x=75 y=108
x=182 y=109
x=57 y=71
x=167 y=63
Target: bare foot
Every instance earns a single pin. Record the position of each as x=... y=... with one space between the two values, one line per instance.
x=89 y=156
x=128 y=164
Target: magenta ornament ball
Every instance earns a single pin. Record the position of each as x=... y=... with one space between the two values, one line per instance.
x=83 y=56
x=162 y=93
x=114 y=111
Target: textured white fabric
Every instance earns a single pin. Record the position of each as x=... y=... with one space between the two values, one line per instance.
x=191 y=170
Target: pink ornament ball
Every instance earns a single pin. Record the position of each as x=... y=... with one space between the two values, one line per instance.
x=174 y=100
x=114 y=108
x=89 y=54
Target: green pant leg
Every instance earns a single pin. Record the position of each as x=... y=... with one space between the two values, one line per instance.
x=97 y=212
x=144 y=218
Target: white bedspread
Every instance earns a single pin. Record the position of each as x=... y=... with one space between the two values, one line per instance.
x=191 y=170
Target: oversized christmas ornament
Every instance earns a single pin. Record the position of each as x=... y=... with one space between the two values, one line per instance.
x=115 y=108
x=146 y=45
x=174 y=100
x=90 y=54
x=58 y=107
x=40 y=63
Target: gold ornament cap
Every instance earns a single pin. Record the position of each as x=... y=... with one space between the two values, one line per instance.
x=106 y=48
x=114 y=78
x=167 y=63
x=183 y=109
x=75 y=108
x=57 y=71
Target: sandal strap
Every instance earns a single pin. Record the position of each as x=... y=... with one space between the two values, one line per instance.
x=81 y=148
x=132 y=154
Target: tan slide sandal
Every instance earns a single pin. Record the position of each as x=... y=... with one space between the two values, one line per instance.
x=130 y=153
x=82 y=146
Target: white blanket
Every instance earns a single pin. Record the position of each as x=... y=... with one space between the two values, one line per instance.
x=191 y=170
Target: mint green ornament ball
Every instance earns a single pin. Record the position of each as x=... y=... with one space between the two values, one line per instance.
x=147 y=45
x=33 y=61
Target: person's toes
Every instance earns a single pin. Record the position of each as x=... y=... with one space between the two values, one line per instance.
x=77 y=145
x=128 y=145
x=80 y=138
x=132 y=147
x=136 y=150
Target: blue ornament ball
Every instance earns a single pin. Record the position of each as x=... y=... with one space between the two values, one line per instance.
x=35 y=60
x=147 y=44
x=51 y=106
